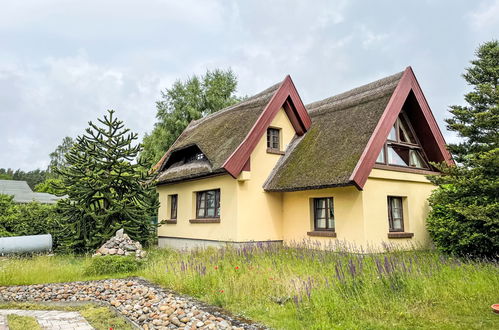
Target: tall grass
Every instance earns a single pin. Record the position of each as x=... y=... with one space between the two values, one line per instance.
x=297 y=287
x=300 y=287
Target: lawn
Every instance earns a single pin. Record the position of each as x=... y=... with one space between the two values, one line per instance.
x=296 y=287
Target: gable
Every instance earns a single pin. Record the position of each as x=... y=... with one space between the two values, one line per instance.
x=227 y=137
x=408 y=93
x=348 y=132
x=341 y=127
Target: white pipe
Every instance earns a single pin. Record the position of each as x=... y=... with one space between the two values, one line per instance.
x=23 y=244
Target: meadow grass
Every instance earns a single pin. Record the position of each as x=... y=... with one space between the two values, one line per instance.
x=300 y=287
x=18 y=322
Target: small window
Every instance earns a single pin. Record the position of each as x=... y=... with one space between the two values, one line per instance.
x=323 y=214
x=173 y=206
x=208 y=204
x=395 y=214
x=273 y=139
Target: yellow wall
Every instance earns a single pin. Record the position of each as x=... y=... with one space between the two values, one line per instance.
x=225 y=230
x=248 y=213
x=348 y=211
x=259 y=212
x=415 y=190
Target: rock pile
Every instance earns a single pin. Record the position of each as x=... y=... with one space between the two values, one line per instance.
x=121 y=244
x=144 y=304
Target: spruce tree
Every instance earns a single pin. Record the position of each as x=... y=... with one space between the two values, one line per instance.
x=106 y=187
x=464 y=219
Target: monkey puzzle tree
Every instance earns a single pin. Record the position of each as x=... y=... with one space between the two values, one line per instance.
x=106 y=187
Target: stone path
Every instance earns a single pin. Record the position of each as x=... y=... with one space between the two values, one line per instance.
x=141 y=302
x=50 y=320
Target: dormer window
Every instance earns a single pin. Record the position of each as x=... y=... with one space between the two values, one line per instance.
x=402 y=147
x=273 y=139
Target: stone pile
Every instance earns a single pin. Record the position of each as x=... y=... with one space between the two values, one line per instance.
x=121 y=244
x=144 y=304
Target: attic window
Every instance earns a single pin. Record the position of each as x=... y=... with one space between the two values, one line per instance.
x=273 y=138
x=184 y=156
x=402 y=147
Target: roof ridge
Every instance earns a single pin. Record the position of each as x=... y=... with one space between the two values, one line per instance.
x=253 y=98
x=363 y=93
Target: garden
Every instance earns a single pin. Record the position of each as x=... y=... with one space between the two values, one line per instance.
x=300 y=287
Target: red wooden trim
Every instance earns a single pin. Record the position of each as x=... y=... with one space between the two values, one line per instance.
x=286 y=96
x=247 y=166
x=406 y=84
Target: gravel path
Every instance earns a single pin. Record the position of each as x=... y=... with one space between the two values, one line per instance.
x=143 y=303
x=50 y=319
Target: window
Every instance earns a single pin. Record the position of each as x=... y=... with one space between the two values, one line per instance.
x=402 y=147
x=273 y=139
x=395 y=214
x=208 y=204
x=173 y=206
x=323 y=214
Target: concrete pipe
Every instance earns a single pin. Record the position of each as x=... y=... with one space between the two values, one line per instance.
x=24 y=244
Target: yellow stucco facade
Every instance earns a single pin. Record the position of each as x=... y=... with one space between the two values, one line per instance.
x=248 y=213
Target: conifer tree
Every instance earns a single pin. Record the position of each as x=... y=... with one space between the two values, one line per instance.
x=464 y=219
x=106 y=187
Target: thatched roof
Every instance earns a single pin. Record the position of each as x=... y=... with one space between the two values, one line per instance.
x=217 y=136
x=341 y=128
x=325 y=156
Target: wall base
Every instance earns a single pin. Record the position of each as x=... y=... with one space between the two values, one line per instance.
x=181 y=243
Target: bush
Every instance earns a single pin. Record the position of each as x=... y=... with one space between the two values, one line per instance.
x=108 y=265
x=29 y=219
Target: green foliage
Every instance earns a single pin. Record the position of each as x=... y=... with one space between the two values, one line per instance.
x=184 y=102
x=107 y=189
x=49 y=186
x=464 y=219
x=112 y=264
x=18 y=322
x=29 y=219
x=58 y=156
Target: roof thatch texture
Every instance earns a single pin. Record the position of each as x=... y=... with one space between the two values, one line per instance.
x=217 y=136
x=341 y=127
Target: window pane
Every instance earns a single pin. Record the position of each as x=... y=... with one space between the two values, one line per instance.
x=173 y=207
x=393 y=134
x=405 y=132
x=201 y=204
x=321 y=223
x=398 y=156
x=415 y=159
x=381 y=157
x=210 y=212
x=396 y=214
x=397 y=224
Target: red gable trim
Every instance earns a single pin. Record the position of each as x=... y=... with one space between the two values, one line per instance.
x=407 y=83
x=285 y=97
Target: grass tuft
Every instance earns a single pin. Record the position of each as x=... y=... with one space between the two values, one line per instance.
x=18 y=322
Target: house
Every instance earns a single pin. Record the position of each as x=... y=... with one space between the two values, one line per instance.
x=23 y=194
x=351 y=167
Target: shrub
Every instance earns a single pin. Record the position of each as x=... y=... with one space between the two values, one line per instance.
x=108 y=265
x=29 y=219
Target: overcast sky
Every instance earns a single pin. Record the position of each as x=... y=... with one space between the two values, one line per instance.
x=63 y=63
